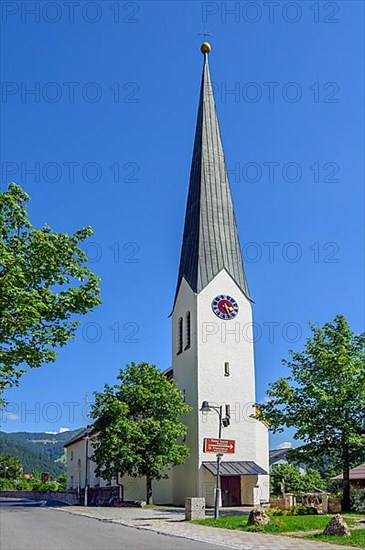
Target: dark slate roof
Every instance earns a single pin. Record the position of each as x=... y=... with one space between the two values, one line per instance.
x=210 y=241
x=278 y=454
x=235 y=468
x=80 y=435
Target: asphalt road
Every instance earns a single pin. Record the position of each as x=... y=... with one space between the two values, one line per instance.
x=31 y=526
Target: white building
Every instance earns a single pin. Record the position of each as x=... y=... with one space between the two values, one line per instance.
x=212 y=340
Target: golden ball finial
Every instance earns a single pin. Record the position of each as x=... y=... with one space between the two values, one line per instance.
x=205 y=47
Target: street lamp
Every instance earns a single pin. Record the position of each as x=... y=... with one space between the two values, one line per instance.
x=206 y=408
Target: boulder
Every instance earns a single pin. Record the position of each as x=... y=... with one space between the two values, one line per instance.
x=258 y=516
x=334 y=505
x=337 y=526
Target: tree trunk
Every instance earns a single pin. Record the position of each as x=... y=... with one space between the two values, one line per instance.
x=346 y=478
x=149 y=499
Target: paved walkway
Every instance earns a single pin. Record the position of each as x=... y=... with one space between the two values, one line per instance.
x=170 y=521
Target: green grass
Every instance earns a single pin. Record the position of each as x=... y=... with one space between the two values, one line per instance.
x=277 y=524
x=357 y=538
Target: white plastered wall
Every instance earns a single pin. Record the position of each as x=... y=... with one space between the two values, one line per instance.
x=200 y=372
x=185 y=482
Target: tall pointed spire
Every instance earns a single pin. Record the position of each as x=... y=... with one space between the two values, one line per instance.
x=210 y=241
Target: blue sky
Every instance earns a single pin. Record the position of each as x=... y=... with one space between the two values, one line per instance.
x=106 y=140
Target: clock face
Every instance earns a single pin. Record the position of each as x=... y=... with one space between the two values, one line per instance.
x=225 y=307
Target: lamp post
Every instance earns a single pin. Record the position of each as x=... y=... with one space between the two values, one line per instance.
x=205 y=408
x=86 y=490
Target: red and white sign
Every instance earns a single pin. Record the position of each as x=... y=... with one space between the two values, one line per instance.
x=219 y=445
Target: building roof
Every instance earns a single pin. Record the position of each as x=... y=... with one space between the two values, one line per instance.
x=210 y=240
x=88 y=430
x=235 y=468
x=169 y=373
x=278 y=454
x=356 y=474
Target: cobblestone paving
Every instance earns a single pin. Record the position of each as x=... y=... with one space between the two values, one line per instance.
x=169 y=521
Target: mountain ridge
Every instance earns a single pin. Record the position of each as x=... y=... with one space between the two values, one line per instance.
x=38 y=451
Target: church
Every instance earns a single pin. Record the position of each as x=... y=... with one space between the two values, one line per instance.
x=212 y=345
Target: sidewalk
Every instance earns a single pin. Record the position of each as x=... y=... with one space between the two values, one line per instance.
x=170 y=521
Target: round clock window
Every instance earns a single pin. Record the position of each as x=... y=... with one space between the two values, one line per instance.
x=225 y=307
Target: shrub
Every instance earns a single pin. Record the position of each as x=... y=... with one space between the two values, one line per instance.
x=278 y=512
x=29 y=485
x=358 y=500
x=23 y=485
x=10 y=467
x=293 y=511
x=7 y=485
x=39 y=486
x=62 y=480
x=303 y=511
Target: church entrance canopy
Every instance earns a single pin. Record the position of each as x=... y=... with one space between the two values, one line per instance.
x=235 y=468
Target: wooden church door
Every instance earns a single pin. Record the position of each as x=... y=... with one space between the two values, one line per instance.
x=231 y=490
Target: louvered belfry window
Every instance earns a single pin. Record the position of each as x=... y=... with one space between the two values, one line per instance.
x=188 y=330
x=180 y=329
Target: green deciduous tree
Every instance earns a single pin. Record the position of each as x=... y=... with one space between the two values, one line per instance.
x=291 y=479
x=10 y=467
x=324 y=399
x=62 y=481
x=44 y=283
x=313 y=480
x=286 y=478
x=140 y=426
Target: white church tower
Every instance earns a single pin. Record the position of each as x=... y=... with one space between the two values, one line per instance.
x=212 y=344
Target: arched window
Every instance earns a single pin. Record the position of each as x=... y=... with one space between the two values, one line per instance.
x=180 y=335
x=188 y=330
